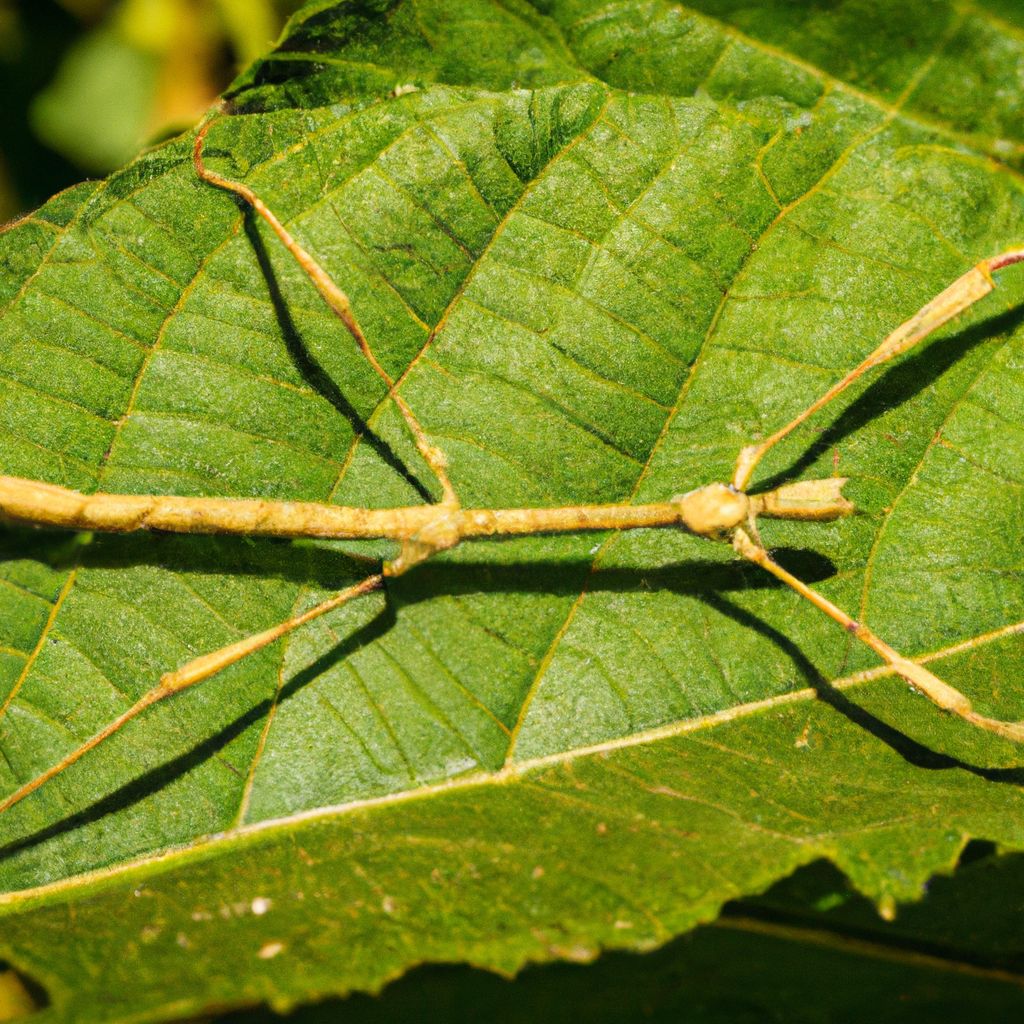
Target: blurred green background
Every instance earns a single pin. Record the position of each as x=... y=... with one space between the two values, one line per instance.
x=85 y=84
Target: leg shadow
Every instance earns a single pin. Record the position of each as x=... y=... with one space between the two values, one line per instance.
x=155 y=779
x=313 y=372
x=909 y=749
x=896 y=386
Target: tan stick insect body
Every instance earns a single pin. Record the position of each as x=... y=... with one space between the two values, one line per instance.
x=723 y=512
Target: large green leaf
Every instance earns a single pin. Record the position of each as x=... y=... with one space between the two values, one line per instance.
x=595 y=290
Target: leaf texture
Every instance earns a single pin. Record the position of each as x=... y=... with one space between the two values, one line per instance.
x=603 y=246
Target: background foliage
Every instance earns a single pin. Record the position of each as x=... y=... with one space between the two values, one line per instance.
x=86 y=83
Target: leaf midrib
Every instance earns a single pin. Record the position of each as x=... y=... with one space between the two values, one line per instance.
x=212 y=845
x=698 y=360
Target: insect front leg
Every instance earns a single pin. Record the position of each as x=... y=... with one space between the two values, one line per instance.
x=338 y=302
x=948 y=304
x=963 y=293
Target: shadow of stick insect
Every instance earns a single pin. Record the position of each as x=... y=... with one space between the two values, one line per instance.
x=722 y=512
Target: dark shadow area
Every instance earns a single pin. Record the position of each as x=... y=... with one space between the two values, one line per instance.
x=312 y=372
x=323 y=566
x=976 y=850
x=58 y=549
x=328 y=566
x=21 y=995
x=897 y=385
x=965 y=917
x=28 y=60
x=810 y=950
x=691 y=576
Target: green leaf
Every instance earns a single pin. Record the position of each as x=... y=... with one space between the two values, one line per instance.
x=595 y=290
x=781 y=957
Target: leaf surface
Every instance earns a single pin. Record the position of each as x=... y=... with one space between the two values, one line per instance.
x=807 y=949
x=595 y=289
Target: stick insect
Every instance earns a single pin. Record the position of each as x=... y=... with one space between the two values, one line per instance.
x=722 y=512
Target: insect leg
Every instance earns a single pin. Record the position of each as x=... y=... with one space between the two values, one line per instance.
x=195 y=672
x=950 y=303
x=339 y=304
x=945 y=696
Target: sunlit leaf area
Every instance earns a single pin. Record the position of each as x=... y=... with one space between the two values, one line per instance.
x=600 y=247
